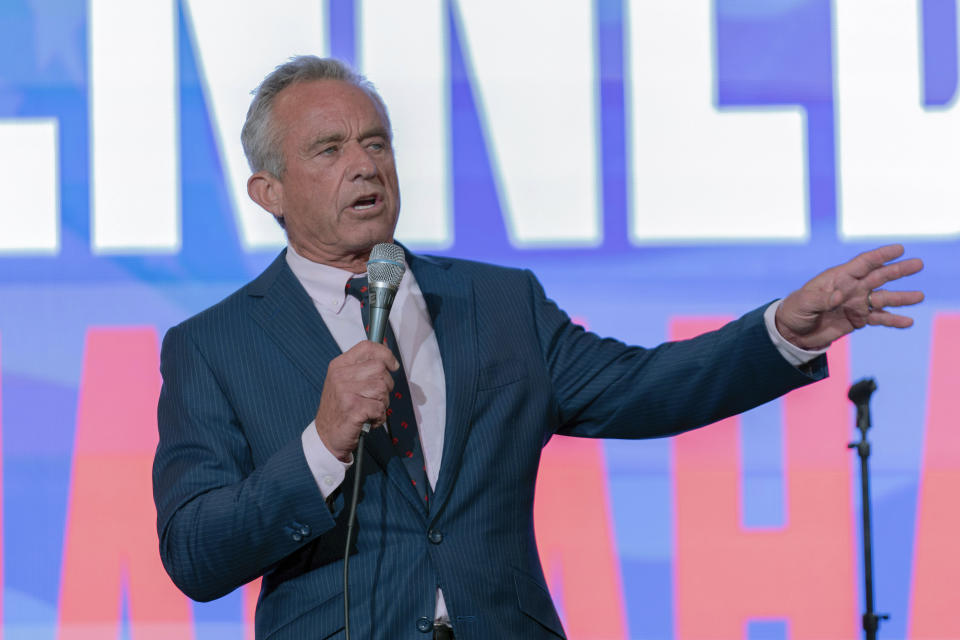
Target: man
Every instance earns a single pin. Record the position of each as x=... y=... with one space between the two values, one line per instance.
x=265 y=394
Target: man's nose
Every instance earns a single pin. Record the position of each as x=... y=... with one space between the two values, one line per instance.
x=362 y=166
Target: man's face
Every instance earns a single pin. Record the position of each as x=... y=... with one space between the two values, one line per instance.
x=339 y=195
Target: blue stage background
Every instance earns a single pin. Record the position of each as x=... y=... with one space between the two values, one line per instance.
x=767 y=52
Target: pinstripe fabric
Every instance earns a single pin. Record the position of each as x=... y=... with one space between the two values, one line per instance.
x=235 y=498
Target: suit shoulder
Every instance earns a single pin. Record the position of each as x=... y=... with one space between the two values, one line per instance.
x=231 y=311
x=216 y=313
x=481 y=271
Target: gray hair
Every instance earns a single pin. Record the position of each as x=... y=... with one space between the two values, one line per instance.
x=260 y=137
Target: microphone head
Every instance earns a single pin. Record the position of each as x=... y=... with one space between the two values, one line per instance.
x=386 y=265
x=861 y=391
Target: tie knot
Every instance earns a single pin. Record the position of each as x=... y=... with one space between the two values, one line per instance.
x=357 y=287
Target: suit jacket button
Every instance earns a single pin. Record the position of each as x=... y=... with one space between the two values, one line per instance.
x=305 y=530
x=435 y=536
x=297 y=536
x=424 y=625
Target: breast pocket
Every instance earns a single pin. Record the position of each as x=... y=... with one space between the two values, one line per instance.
x=502 y=373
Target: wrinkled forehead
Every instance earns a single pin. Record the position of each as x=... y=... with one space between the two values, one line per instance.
x=315 y=102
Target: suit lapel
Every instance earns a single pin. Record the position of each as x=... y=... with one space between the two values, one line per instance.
x=450 y=302
x=287 y=314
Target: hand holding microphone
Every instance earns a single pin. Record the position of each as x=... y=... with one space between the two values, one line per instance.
x=356 y=391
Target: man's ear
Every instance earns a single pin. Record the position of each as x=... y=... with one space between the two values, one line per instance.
x=266 y=190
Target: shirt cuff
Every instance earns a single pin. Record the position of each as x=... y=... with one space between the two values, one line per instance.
x=326 y=468
x=790 y=352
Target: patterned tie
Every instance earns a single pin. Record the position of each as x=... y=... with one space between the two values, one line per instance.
x=400 y=417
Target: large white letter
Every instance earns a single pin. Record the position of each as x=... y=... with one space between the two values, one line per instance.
x=238 y=42
x=898 y=163
x=29 y=186
x=134 y=181
x=699 y=172
x=403 y=50
x=534 y=65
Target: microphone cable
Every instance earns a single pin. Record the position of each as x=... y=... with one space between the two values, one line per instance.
x=351 y=521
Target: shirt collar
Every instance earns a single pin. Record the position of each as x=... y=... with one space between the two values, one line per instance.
x=326 y=285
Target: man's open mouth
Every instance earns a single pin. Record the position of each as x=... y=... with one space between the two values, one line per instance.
x=365 y=202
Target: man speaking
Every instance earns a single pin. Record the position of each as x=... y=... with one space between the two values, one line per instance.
x=265 y=394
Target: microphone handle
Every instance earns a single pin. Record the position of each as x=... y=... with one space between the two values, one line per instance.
x=380 y=299
x=378 y=324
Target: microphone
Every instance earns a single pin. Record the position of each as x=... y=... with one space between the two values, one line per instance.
x=859 y=395
x=385 y=270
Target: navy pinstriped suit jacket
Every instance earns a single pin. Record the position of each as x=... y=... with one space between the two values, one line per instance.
x=236 y=500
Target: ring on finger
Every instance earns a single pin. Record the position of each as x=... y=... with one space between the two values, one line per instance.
x=870 y=307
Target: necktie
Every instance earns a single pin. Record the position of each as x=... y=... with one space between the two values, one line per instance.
x=400 y=417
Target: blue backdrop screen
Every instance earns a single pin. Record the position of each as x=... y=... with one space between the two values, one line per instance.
x=660 y=166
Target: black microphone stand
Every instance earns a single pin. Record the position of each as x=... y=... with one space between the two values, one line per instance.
x=859 y=395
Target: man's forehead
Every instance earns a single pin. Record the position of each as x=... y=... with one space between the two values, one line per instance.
x=325 y=94
x=325 y=106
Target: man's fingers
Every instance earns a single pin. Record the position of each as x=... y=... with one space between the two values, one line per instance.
x=887 y=319
x=880 y=298
x=866 y=262
x=890 y=272
x=376 y=386
x=366 y=350
x=370 y=411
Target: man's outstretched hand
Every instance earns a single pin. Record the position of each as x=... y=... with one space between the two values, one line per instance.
x=848 y=297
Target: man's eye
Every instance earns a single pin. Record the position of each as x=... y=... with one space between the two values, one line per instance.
x=328 y=151
x=377 y=146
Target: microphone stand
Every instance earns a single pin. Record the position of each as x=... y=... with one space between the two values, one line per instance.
x=859 y=395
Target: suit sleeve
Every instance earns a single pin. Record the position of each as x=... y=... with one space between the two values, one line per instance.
x=604 y=388
x=222 y=522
